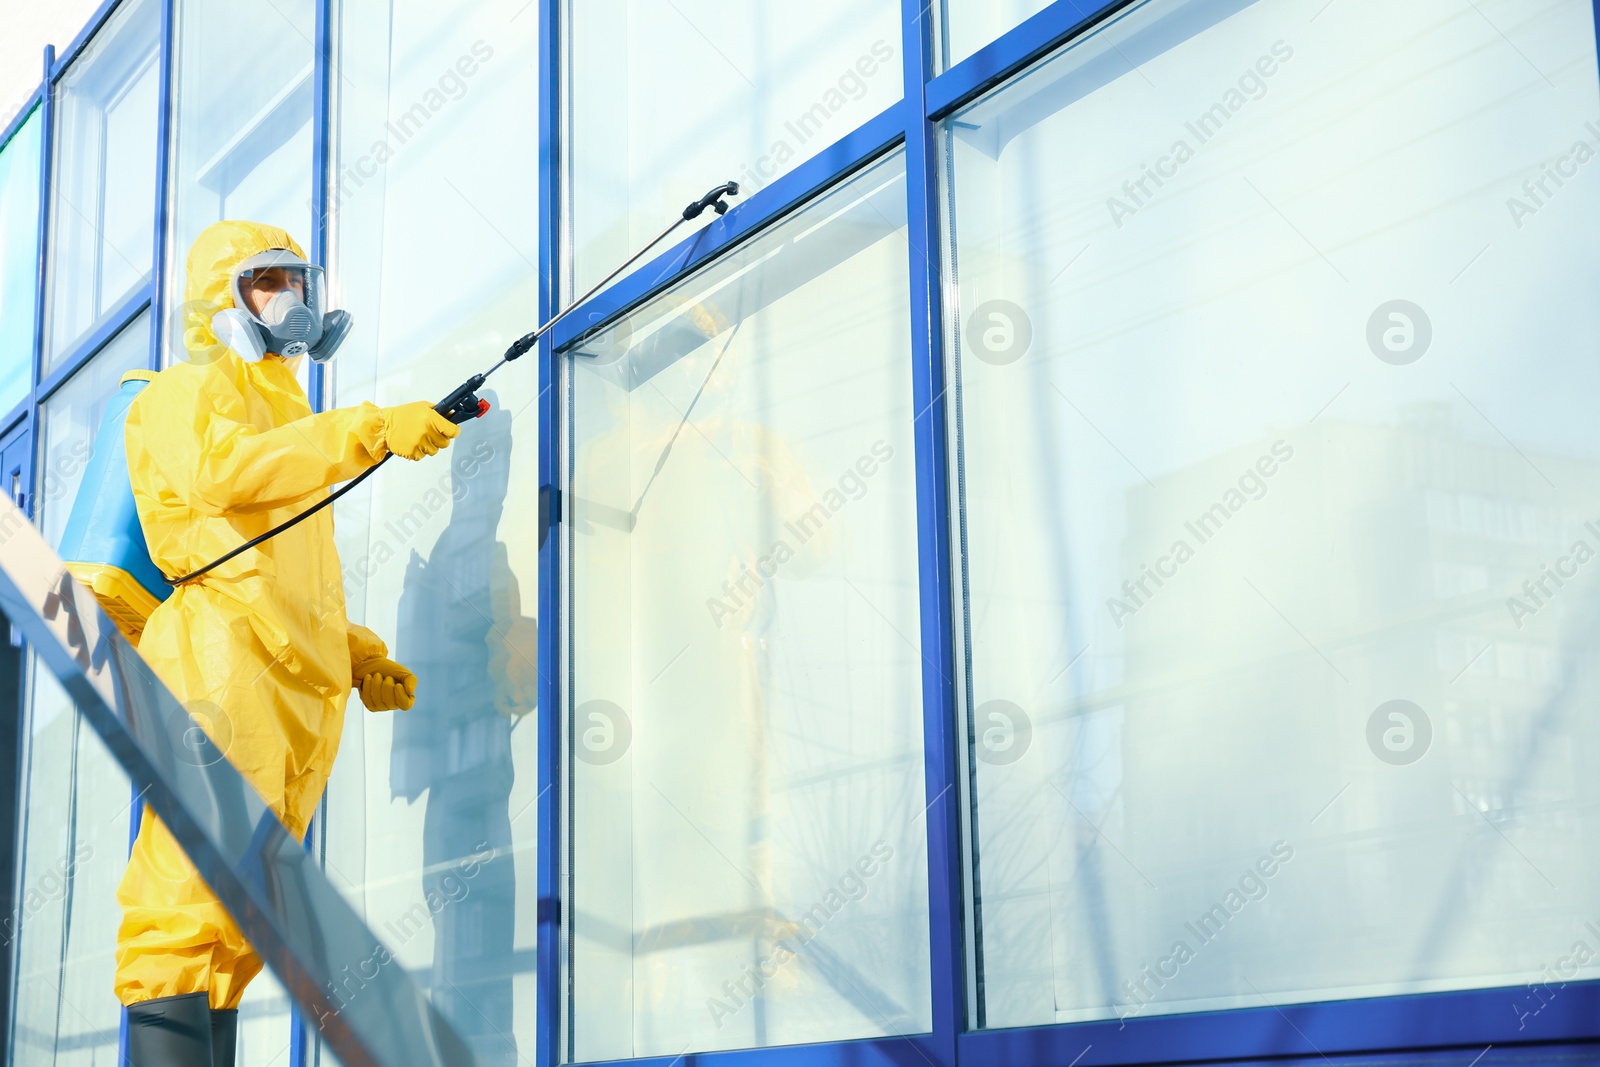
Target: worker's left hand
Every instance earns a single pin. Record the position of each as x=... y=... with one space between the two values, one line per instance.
x=385 y=685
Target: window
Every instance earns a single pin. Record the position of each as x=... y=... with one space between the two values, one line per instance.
x=1222 y=329
x=19 y=243
x=431 y=821
x=745 y=734
x=672 y=98
x=241 y=143
x=103 y=195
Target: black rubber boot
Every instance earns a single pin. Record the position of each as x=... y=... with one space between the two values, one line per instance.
x=170 y=1032
x=224 y=1035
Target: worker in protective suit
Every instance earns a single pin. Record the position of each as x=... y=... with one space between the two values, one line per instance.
x=222 y=447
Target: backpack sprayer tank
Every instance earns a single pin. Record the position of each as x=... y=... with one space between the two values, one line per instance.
x=103 y=544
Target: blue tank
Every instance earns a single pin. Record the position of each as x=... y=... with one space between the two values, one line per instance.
x=103 y=544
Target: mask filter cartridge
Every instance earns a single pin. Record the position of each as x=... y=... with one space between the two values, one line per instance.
x=290 y=321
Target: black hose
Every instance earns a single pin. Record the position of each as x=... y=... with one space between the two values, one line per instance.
x=276 y=530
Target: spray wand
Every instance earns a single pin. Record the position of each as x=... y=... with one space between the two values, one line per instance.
x=464 y=404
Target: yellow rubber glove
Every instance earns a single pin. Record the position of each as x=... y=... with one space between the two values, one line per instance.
x=385 y=685
x=415 y=430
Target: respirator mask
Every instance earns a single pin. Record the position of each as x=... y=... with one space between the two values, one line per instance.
x=291 y=322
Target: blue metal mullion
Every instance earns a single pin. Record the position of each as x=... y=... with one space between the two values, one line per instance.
x=321 y=127
x=912 y=1050
x=47 y=155
x=1469 y=1020
x=317 y=375
x=547 y=987
x=164 y=126
x=940 y=747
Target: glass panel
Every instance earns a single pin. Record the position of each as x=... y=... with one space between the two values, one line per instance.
x=968 y=25
x=77 y=802
x=748 y=849
x=431 y=822
x=1277 y=474
x=19 y=264
x=669 y=99
x=103 y=197
x=242 y=130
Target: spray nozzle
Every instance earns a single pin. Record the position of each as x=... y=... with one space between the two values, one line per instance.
x=712 y=200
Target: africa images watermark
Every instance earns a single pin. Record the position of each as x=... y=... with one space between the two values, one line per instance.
x=1252 y=485
x=414 y=520
x=1399 y=732
x=453 y=888
x=1252 y=85
x=1252 y=887
x=451 y=85
x=1538 y=192
x=49 y=888
x=1538 y=592
x=851 y=85
x=1554 y=977
x=851 y=485
x=847 y=889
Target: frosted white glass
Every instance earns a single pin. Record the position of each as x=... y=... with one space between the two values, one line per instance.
x=1275 y=396
x=745 y=733
x=670 y=99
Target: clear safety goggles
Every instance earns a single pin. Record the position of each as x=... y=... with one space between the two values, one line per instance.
x=287 y=281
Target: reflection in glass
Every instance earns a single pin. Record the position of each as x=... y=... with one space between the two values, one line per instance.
x=1276 y=468
x=669 y=99
x=475 y=656
x=745 y=734
x=429 y=825
x=77 y=802
x=19 y=243
x=242 y=130
x=103 y=195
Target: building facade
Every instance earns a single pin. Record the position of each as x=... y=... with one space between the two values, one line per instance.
x=1087 y=563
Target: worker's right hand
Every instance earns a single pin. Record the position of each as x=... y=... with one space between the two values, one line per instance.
x=384 y=685
x=414 y=430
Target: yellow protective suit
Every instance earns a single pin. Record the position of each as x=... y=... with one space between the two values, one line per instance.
x=259 y=649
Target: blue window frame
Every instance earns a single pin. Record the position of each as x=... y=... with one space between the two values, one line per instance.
x=102 y=204
x=1402 y=1027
